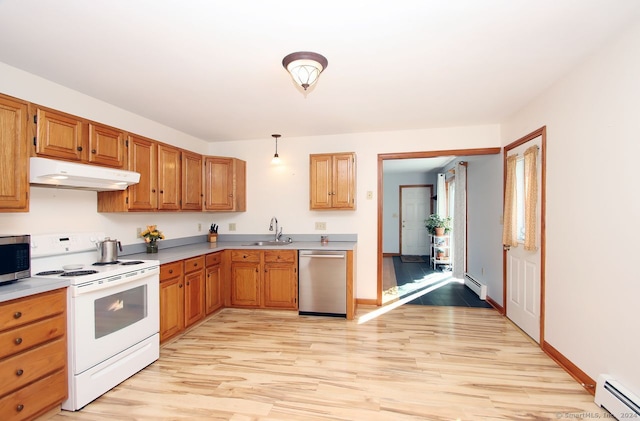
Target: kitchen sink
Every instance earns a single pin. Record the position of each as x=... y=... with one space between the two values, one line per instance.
x=267 y=243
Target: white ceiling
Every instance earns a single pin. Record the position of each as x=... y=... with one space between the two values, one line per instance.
x=213 y=68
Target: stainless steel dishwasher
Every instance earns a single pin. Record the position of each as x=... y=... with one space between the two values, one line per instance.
x=322 y=282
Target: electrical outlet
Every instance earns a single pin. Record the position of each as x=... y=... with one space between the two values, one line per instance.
x=232 y=226
x=138 y=231
x=199 y=227
x=321 y=226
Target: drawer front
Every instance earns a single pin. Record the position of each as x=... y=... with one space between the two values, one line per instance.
x=28 y=366
x=288 y=256
x=24 y=337
x=25 y=310
x=170 y=270
x=213 y=259
x=193 y=264
x=33 y=399
x=245 y=255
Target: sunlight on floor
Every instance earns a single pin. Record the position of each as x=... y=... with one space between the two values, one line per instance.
x=388 y=307
x=400 y=290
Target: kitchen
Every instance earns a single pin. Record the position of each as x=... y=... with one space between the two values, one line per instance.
x=270 y=192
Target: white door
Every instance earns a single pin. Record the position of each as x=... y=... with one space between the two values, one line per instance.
x=523 y=267
x=415 y=207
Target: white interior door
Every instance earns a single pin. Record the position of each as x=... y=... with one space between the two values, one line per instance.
x=415 y=207
x=523 y=267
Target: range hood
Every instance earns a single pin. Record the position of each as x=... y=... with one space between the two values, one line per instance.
x=51 y=173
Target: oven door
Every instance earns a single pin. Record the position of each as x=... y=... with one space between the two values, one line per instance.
x=106 y=321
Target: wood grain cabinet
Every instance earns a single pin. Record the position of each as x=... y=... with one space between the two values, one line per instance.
x=225 y=184
x=192 y=177
x=213 y=282
x=169 y=173
x=33 y=355
x=64 y=136
x=171 y=300
x=332 y=181
x=194 y=290
x=264 y=279
x=14 y=159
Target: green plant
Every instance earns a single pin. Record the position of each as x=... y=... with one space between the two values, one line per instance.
x=434 y=221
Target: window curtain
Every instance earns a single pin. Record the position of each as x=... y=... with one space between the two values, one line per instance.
x=460 y=221
x=531 y=197
x=509 y=223
x=441 y=192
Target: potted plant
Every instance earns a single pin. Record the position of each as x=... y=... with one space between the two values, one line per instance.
x=440 y=254
x=437 y=225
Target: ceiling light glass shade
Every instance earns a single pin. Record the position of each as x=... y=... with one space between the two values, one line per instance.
x=305 y=67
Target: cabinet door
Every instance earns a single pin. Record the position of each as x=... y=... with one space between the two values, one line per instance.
x=213 y=287
x=191 y=181
x=169 y=174
x=343 y=183
x=59 y=136
x=193 y=297
x=245 y=284
x=280 y=286
x=106 y=146
x=320 y=177
x=143 y=159
x=14 y=160
x=171 y=307
x=218 y=183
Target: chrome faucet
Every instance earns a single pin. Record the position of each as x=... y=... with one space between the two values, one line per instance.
x=274 y=220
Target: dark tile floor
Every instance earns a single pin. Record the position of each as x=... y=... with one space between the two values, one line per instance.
x=414 y=277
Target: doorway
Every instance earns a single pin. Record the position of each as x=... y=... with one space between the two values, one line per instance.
x=523 y=264
x=415 y=203
x=390 y=157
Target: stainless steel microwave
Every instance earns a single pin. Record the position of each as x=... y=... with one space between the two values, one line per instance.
x=15 y=257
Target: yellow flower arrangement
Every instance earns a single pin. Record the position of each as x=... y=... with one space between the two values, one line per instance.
x=152 y=234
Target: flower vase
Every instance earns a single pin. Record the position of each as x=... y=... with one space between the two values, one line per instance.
x=152 y=247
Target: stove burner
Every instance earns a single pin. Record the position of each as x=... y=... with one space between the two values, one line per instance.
x=133 y=262
x=50 y=272
x=106 y=263
x=79 y=273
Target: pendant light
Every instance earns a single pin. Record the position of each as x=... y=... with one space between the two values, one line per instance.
x=305 y=67
x=276 y=158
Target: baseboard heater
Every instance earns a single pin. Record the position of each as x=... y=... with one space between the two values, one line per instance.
x=616 y=399
x=475 y=286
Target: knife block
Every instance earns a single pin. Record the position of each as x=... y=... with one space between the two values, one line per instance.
x=212 y=238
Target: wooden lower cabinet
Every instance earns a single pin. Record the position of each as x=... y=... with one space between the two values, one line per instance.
x=264 y=279
x=193 y=290
x=33 y=355
x=213 y=282
x=171 y=300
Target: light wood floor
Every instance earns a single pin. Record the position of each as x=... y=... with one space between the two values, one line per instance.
x=411 y=363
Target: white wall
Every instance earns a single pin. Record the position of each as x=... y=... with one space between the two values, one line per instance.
x=592 y=283
x=281 y=191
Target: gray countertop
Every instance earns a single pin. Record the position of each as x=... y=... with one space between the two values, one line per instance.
x=34 y=285
x=173 y=254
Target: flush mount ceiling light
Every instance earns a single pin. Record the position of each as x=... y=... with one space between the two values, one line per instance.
x=305 y=67
x=276 y=158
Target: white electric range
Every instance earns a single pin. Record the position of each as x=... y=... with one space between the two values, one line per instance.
x=113 y=318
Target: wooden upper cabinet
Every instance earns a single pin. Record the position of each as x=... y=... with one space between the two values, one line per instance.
x=143 y=159
x=59 y=135
x=191 y=181
x=332 y=181
x=106 y=146
x=225 y=184
x=169 y=176
x=14 y=160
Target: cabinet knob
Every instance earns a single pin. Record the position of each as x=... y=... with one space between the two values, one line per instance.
x=188 y=283
x=153 y=190
x=18 y=341
x=79 y=148
x=180 y=286
x=161 y=191
x=19 y=372
x=19 y=407
x=170 y=271
x=17 y=315
x=93 y=151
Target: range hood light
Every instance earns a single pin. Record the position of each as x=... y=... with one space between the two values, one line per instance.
x=59 y=177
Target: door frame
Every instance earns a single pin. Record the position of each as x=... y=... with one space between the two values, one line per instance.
x=411 y=155
x=542 y=132
x=410 y=186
